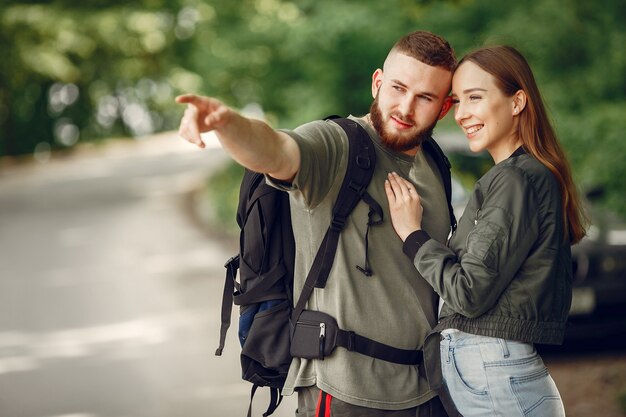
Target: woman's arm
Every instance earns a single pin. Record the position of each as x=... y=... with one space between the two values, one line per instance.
x=471 y=280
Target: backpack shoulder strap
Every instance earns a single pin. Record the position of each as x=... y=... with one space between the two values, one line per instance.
x=361 y=164
x=443 y=163
x=359 y=172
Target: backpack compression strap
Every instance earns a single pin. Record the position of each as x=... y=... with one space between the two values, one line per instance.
x=275 y=400
x=232 y=265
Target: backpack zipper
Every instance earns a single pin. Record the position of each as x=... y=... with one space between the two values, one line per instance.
x=322 y=339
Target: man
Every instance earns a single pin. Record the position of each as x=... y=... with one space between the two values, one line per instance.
x=410 y=95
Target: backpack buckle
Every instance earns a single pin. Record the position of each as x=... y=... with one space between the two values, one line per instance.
x=337 y=224
x=351 y=341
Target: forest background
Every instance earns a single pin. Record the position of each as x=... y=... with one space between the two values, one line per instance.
x=75 y=72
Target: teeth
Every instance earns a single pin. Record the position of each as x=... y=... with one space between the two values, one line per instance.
x=473 y=129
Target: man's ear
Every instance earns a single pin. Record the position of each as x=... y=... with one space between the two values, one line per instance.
x=377 y=79
x=447 y=105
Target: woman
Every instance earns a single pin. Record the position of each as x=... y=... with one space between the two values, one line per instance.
x=505 y=276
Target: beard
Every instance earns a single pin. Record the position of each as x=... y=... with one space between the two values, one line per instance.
x=398 y=142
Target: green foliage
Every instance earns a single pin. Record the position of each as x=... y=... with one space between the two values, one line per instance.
x=468 y=167
x=222 y=191
x=576 y=51
x=83 y=71
x=597 y=150
x=75 y=71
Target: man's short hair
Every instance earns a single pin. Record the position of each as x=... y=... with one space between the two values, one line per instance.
x=428 y=48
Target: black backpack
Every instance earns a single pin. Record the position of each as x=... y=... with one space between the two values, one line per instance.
x=272 y=329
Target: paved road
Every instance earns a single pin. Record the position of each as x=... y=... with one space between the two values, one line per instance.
x=109 y=293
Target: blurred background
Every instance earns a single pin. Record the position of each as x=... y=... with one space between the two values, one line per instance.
x=113 y=232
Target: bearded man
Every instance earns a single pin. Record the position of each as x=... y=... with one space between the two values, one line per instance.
x=410 y=95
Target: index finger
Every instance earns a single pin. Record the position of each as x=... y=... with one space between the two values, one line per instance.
x=399 y=184
x=188 y=99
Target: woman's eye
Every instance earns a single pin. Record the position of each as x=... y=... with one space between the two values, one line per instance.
x=474 y=97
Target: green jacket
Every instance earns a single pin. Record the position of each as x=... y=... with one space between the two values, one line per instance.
x=507 y=270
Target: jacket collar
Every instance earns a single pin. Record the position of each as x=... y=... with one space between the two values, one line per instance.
x=519 y=151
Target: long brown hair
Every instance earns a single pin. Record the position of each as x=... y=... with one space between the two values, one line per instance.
x=512 y=73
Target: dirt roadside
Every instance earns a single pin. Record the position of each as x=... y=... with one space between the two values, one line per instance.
x=591 y=384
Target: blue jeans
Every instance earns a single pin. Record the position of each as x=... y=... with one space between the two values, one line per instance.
x=487 y=376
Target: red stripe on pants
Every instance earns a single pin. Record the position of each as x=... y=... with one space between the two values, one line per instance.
x=323 y=405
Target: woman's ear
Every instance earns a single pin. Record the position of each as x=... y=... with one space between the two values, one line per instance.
x=519 y=102
x=377 y=79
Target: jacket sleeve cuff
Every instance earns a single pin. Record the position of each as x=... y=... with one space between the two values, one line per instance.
x=414 y=242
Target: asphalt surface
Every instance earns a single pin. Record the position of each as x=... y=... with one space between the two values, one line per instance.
x=110 y=292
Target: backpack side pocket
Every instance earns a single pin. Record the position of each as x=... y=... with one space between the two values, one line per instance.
x=265 y=356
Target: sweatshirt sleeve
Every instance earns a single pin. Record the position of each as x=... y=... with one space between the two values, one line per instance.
x=505 y=229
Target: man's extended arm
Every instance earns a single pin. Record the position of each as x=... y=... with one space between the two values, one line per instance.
x=252 y=143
